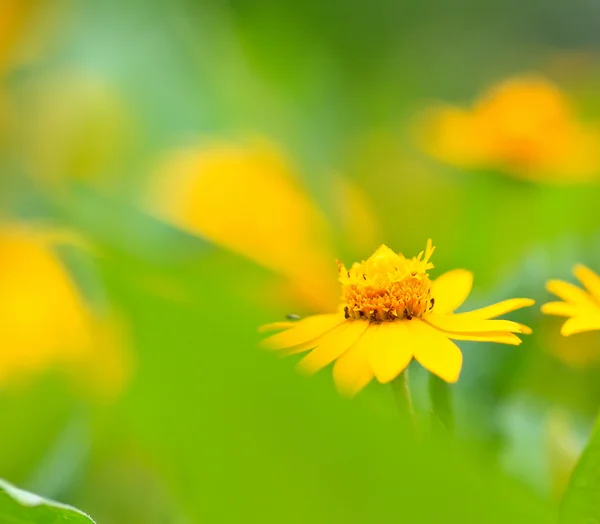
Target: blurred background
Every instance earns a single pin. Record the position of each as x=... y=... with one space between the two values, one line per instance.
x=175 y=174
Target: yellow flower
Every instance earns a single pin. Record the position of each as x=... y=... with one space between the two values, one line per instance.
x=393 y=312
x=13 y=16
x=246 y=198
x=524 y=127
x=581 y=306
x=45 y=323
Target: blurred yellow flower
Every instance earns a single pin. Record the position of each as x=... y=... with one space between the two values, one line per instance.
x=13 y=18
x=246 y=198
x=393 y=312
x=582 y=307
x=13 y=15
x=44 y=323
x=524 y=127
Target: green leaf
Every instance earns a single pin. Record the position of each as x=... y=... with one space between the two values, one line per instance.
x=21 y=507
x=581 y=502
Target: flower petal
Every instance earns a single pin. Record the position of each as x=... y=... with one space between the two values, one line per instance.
x=580 y=324
x=451 y=289
x=499 y=337
x=589 y=279
x=569 y=292
x=525 y=330
x=435 y=351
x=300 y=348
x=303 y=331
x=389 y=349
x=561 y=309
x=499 y=309
x=458 y=324
x=351 y=372
x=276 y=326
x=332 y=345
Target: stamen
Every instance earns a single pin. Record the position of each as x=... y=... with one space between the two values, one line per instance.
x=388 y=286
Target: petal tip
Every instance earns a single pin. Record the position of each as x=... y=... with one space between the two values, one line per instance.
x=451 y=380
x=525 y=330
x=345 y=391
x=528 y=302
x=566 y=329
x=304 y=367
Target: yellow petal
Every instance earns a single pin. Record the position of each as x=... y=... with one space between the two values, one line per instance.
x=561 y=309
x=42 y=316
x=580 y=324
x=276 y=326
x=435 y=351
x=458 y=324
x=300 y=348
x=451 y=289
x=303 y=331
x=332 y=345
x=13 y=17
x=351 y=372
x=499 y=337
x=499 y=309
x=589 y=279
x=526 y=330
x=429 y=249
x=569 y=292
x=389 y=350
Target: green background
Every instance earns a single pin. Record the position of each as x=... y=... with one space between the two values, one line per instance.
x=210 y=428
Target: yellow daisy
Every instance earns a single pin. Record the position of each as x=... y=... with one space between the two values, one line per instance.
x=393 y=312
x=582 y=306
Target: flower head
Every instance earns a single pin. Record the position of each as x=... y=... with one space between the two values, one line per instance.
x=387 y=286
x=581 y=306
x=392 y=312
x=524 y=127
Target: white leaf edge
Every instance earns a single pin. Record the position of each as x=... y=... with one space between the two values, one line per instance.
x=27 y=499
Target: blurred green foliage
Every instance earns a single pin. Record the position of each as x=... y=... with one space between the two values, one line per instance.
x=210 y=428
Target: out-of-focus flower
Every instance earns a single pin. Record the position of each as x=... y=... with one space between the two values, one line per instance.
x=524 y=127
x=581 y=306
x=393 y=312
x=45 y=323
x=246 y=198
x=13 y=15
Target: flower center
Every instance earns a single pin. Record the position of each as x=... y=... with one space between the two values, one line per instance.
x=387 y=286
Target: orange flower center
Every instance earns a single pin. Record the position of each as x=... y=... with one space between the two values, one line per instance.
x=387 y=286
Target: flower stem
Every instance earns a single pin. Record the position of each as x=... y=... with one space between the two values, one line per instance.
x=440 y=396
x=401 y=388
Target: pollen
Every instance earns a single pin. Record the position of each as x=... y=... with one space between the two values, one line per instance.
x=388 y=286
